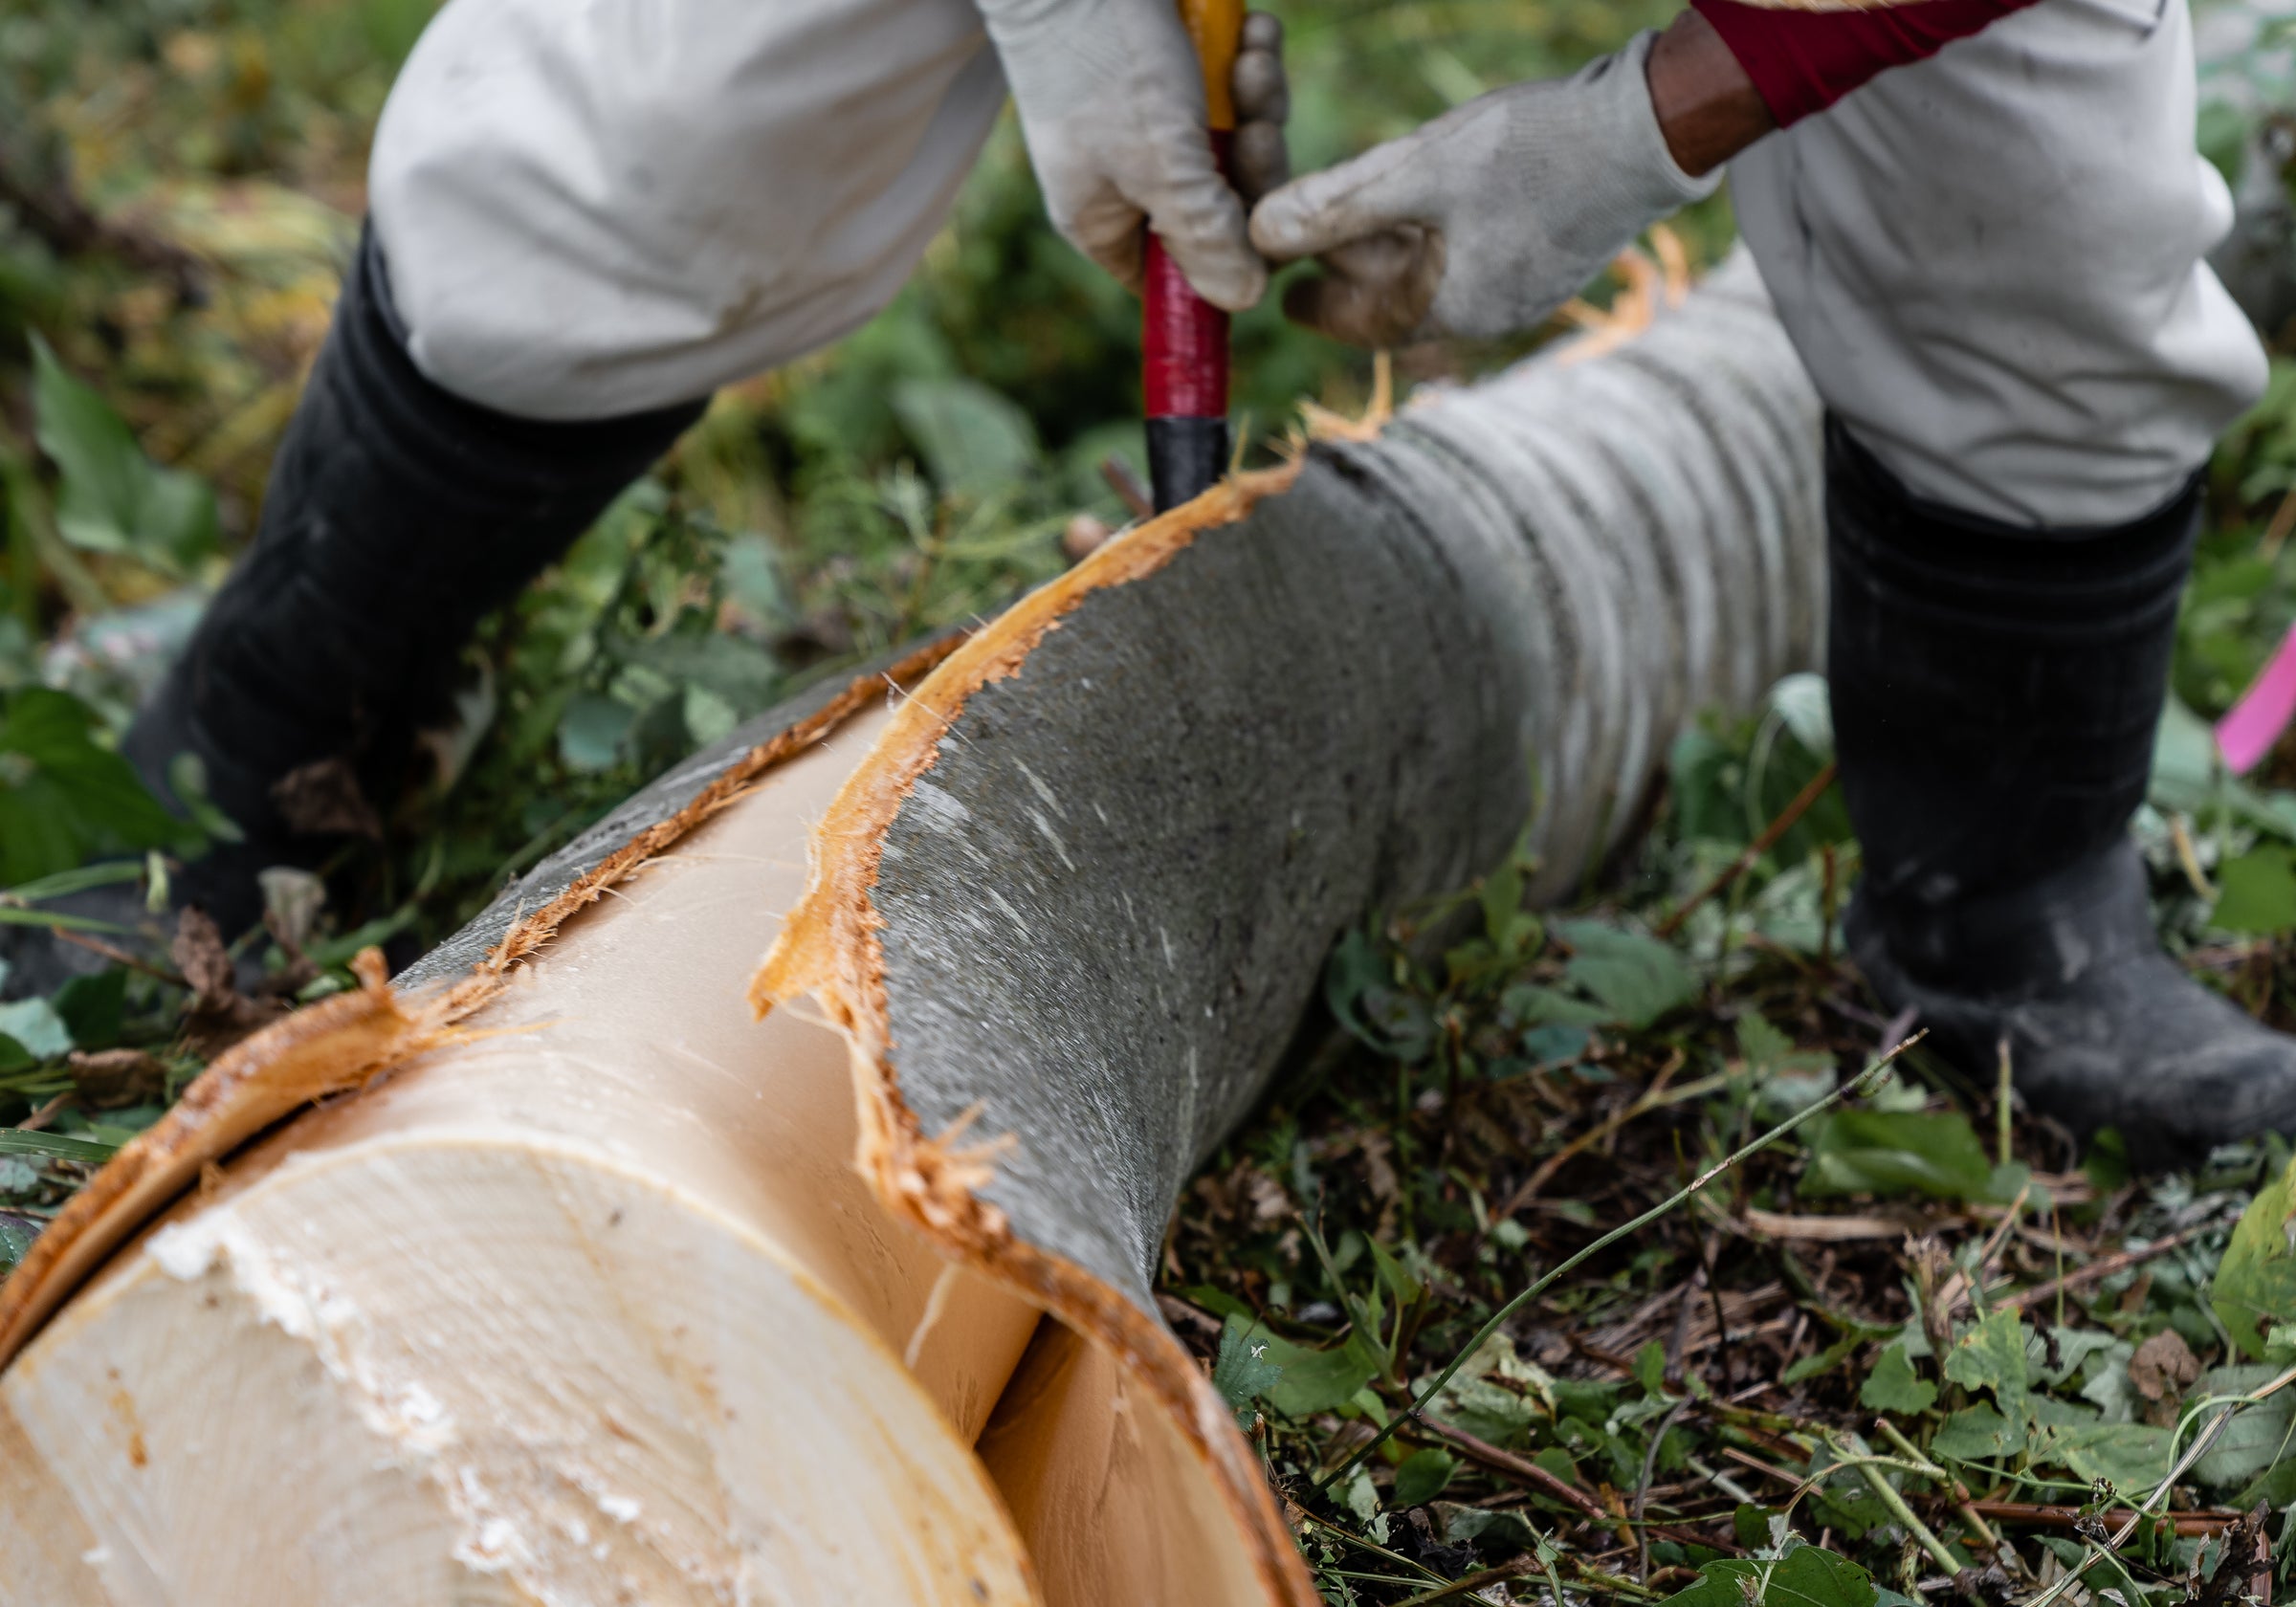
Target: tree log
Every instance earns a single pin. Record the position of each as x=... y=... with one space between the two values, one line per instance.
x=571 y=1289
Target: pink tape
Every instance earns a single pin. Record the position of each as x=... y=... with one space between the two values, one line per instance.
x=2248 y=732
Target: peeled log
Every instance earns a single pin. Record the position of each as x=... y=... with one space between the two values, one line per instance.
x=576 y=1292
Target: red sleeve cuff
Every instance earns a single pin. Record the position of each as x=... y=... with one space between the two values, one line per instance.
x=1803 y=61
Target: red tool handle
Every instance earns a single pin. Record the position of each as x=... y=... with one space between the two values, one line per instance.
x=1184 y=337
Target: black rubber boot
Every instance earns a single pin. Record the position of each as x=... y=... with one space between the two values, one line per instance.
x=1996 y=692
x=397 y=516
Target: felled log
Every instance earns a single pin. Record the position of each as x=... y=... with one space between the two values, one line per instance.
x=585 y=1284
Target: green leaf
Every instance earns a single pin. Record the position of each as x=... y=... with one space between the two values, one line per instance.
x=34 y=1025
x=15 y=1140
x=1824 y=1361
x=16 y=1234
x=114 y=498
x=2256 y=1438
x=1893 y=1386
x=740 y=672
x=1537 y=1006
x=65 y=799
x=1501 y=1531
x=974 y=442
x=1805 y=1576
x=65 y=883
x=1977 y=1432
x=591 y=734
x=2276 y=1488
x=1316 y=1380
x=2132 y=1456
x=1422 y=1476
x=1990 y=1354
x=92 y=1006
x=2255 y=1287
x=14 y=1056
x=1406 y=1288
x=1637 y=978
x=1364 y=997
x=1896 y=1152
x=1242 y=1372
x=1651 y=1368
x=2258 y=890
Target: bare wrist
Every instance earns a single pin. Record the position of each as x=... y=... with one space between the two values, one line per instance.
x=1707 y=107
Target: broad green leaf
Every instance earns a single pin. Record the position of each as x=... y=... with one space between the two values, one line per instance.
x=1637 y=978
x=1501 y=1531
x=2276 y=1488
x=752 y=573
x=1555 y=1045
x=16 y=1234
x=740 y=672
x=1784 y=1079
x=14 y=1056
x=64 y=798
x=2133 y=1457
x=1893 y=1386
x=91 y=1007
x=974 y=442
x=1486 y=1410
x=2255 y=1287
x=1242 y=1372
x=1896 y=1152
x=591 y=734
x=2258 y=890
x=34 y=1025
x=1316 y=1380
x=1805 y=1576
x=1363 y=999
x=1977 y=1432
x=1990 y=1354
x=2073 y=1347
x=1539 y=1006
x=2258 y=1437
x=1422 y=1476
x=114 y=498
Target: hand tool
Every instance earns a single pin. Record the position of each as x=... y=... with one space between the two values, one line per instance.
x=1184 y=337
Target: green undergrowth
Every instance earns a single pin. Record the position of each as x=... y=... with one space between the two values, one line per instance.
x=1921 y=1346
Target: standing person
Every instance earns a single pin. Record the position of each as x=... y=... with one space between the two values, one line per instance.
x=1983 y=223
x=582 y=221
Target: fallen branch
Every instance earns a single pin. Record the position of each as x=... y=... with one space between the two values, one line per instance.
x=2030 y=1516
x=2103 y=1267
x=1522 y=1469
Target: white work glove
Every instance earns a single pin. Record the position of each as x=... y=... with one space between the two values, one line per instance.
x=1111 y=99
x=1486 y=220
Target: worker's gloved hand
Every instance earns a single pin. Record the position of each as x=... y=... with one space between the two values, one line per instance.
x=1111 y=99
x=1258 y=161
x=1486 y=220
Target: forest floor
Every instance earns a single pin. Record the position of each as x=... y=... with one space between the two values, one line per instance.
x=1923 y=1346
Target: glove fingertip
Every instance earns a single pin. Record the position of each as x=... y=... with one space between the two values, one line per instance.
x=1278 y=225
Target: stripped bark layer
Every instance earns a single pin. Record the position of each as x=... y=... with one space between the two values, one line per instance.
x=1064 y=915
x=1070 y=910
